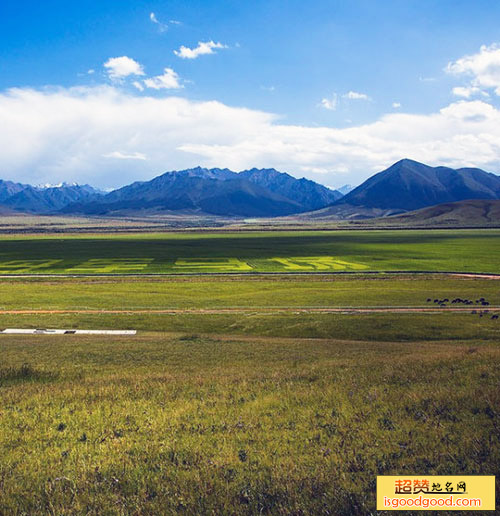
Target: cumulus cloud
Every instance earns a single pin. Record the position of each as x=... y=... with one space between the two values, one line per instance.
x=462 y=134
x=396 y=105
x=169 y=80
x=354 y=95
x=120 y=67
x=330 y=103
x=147 y=135
x=483 y=68
x=203 y=48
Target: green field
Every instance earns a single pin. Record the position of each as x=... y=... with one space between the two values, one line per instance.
x=240 y=291
x=313 y=251
x=257 y=305
x=236 y=396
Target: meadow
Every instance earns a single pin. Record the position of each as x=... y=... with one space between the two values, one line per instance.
x=240 y=291
x=187 y=424
x=236 y=396
x=278 y=306
x=273 y=251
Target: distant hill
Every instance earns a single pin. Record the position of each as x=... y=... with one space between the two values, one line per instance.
x=408 y=185
x=8 y=189
x=477 y=212
x=252 y=193
x=344 y=190
x=32 y=199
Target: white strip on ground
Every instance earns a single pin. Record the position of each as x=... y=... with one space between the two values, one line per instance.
x=68 y=332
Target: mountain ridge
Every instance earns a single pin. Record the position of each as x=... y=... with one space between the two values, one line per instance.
x=31 y=199
x=409 y=185
x=405 y=186
x=254 y=193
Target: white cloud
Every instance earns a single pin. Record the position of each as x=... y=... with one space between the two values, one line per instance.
x=203 y=48
x=468 y=91
x=330 y=103
x=483 y=68
x=162 y=27
x=169 y=80
x=138 y=85
x=122 y=155
x=91 y=71
x=120 y=67
x=175 y=133
x=396 y=105
x=354 y=95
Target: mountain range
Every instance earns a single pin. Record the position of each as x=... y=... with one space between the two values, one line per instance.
x=251 y=193
x=409 y=185
x=35 y=199
x=405 y=186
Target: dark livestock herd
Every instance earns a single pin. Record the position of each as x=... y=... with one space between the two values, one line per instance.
x=481 y=302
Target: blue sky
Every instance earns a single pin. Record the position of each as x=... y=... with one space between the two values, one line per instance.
x=329 y=90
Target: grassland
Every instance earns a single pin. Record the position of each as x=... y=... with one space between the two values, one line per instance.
x=242 y=291
x=180 y=424
x=260 y=306
x=242 y=399
x=313 y=251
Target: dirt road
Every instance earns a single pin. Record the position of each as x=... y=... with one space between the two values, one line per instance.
x=258 y=310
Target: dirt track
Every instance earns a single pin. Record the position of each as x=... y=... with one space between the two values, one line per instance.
x=248 y=275
x=250 y=310
x=482 y=276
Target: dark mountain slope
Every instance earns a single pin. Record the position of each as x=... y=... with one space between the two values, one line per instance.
x=188 y=191
x=310 y=195
x=409 y=185
x=254 y=193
